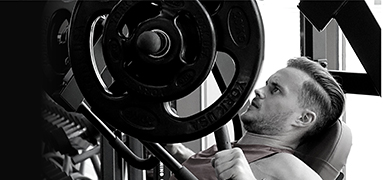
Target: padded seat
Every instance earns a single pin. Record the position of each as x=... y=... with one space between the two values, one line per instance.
x=327 y=153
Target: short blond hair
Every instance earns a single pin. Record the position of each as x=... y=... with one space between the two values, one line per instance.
x=323 y=94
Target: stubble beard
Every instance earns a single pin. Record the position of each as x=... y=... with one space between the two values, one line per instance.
x=270 y=124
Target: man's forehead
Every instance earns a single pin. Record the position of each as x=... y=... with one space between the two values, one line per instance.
x=289 y=75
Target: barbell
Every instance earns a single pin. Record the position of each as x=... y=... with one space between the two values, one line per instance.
x=158 y=52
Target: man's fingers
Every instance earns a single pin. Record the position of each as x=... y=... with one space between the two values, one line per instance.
x=226 y=159
x=225 y=156
x=225 y=170
x=224 y=174
x=231 y=164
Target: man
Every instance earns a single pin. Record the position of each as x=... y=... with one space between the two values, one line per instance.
x=296 y=103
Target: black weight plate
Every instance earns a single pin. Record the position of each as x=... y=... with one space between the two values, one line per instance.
x=239 y=34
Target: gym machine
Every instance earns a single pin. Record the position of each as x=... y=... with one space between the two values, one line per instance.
x=122 y=65
x=116 y=69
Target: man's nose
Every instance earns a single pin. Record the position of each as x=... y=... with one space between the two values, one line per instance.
x=259 y=93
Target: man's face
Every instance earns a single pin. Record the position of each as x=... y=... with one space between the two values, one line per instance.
x=276 y=104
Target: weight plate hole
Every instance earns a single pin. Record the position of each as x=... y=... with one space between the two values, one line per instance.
x=95 y=47
x=225 y=64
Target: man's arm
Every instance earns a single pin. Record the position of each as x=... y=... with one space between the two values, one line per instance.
x=179 y=151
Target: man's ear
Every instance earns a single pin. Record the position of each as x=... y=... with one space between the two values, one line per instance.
x=307 y=118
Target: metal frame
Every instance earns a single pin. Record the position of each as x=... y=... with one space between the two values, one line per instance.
x=352 y=17
x=322 y=42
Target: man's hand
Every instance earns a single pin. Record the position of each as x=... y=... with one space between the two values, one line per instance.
x=179 y=151
x=232 y=164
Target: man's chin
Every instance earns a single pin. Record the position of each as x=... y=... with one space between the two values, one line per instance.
x=247 y=117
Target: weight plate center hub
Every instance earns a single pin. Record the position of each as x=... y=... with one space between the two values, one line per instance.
x=164 y=56
x=158 y=41
x=155 y=43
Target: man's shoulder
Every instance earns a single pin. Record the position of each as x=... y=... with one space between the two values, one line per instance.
x=286 y=166
x=285 y=159
x=283 y=162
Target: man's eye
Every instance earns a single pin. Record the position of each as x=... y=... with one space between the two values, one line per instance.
x=274 y=90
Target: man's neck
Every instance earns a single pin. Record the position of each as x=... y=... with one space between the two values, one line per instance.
x=273 y=141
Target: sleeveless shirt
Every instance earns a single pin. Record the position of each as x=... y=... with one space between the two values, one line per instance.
x=200 y=165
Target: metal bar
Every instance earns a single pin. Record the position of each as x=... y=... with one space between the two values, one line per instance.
x=319 y=13
x=99 y=125
x=137 y=149
x=355 y=83
x=179 y=171
x=109 y=171
x=115 y=141
x=364 y=35
x=96 y=165
x=359 y=27
x=306 y=37
x=221 y=135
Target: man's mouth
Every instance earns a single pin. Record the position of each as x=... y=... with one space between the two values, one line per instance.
x=255 y=104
